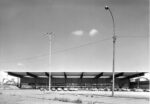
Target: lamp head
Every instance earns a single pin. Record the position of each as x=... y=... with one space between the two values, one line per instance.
x=106 y=7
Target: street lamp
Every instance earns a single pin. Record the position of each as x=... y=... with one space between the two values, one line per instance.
x=114 y=41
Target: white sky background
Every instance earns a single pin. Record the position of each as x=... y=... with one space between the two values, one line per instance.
x=75 y=23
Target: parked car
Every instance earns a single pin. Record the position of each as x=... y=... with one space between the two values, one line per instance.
x=101 y=89
x=107 y=89
x=86 y=89
x=73 y=89
x=123 y=89
x=59 y=89
x=42 y=89
x=65 y=89
x=146 y=90
x=116 y=89
x=137 y=90
x=26 y=87
x=128 y=89
x=94 y=89
x=53 y=89
x=76 y=89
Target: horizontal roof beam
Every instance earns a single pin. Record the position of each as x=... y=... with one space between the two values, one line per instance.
x=47 y=74
x=135 y=75
x=117 y=75
x=99 y=75
x=16 y=75
x=81 y=76
x=65 y=75
x=32 y=75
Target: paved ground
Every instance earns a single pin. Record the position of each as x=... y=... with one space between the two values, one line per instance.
x=84 y=97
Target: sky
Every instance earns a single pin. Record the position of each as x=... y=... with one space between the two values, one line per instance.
x=82 y=38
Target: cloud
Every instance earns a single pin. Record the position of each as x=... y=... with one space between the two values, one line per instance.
x=20 y=64
x=93 y=32
x=78 y=32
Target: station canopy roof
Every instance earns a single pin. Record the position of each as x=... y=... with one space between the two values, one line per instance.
x=95 y=75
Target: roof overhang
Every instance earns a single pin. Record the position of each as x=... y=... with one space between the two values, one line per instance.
x=96 y=75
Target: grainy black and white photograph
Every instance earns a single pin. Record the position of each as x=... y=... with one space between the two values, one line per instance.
x=74 y=52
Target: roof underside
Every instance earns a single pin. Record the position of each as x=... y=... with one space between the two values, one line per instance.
x=81 y=75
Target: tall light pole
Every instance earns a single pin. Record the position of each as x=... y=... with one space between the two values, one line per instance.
x=114 y=41
x=50 y=56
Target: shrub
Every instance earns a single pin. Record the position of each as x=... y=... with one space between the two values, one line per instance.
x=77 y=101
x=62 y=99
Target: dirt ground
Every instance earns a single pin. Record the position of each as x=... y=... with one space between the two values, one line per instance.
x=72 y=97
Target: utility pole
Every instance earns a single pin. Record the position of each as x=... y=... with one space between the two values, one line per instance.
x=114 y=44
x=50 y=56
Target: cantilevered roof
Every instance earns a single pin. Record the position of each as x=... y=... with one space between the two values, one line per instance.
x=95 y=75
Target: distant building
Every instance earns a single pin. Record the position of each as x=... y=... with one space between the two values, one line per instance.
x=82 y=80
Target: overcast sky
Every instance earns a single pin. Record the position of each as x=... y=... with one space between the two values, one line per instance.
x=83 y=35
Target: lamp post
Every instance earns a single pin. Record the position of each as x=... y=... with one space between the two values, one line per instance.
x=114 y=41
x=50 y=55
